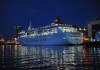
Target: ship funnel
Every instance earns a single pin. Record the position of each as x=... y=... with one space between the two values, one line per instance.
x=58 y=20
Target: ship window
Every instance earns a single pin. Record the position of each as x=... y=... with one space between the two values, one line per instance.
x=78 y=37
x=73 y=37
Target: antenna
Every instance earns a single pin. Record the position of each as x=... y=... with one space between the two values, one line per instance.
x=30 y=26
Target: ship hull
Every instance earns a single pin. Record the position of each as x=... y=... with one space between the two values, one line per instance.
x=50 y=40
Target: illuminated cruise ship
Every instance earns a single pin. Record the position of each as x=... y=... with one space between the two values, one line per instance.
x=55 y=34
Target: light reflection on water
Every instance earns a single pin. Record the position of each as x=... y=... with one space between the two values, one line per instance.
x=49 y=57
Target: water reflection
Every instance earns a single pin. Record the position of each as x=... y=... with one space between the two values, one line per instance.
x=49 y=57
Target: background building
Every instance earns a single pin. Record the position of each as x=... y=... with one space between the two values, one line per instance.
x=1 y=38
x=17 y=29
x=93 y=27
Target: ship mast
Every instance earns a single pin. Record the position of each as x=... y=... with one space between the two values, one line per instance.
x=30 y=26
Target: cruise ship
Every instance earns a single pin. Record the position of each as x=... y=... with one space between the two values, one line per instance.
x=57 y=33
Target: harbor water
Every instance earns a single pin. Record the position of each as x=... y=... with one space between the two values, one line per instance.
x=14 y=57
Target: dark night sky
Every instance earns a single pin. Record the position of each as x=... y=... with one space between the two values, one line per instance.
x=43 y=12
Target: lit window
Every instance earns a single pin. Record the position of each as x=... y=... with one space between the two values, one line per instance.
x=84 y=29
x=97 y=39
x=80 y=29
